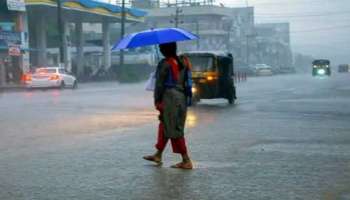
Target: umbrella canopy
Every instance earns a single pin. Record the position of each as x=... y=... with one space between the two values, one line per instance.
x=154 y=37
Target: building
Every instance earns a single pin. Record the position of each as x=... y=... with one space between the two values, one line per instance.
x=33 y=23
x=219 y=28
x=146 y=4
x=272 y=45
x=14 y=56
x=43 y=30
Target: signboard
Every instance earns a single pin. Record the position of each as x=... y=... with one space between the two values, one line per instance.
x=7 y=26
x=16 y=5
x=7 y=38
x=14 y=50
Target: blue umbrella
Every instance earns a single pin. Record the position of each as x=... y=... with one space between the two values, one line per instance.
x=154 y=37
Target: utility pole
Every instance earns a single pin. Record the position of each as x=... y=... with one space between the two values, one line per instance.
x=60 y=32
x=178 y=11
x=253 y=35
x=197 y=33
x=177 y=16
x=247 y=53
x=247 y=41
x=122 y=33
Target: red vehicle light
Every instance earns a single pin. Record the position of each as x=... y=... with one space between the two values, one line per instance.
x=54 y=77
x=26 y=77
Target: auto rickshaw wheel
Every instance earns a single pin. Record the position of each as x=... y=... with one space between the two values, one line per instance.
x=231 y=100
x=232 y=96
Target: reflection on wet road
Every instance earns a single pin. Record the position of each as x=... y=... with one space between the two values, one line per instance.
x=286 y=138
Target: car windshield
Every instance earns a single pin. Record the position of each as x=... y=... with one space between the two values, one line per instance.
x=262 y=66
x=321 y=62
x=201 y=63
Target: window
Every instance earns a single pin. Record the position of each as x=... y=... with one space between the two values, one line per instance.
x=62 y=71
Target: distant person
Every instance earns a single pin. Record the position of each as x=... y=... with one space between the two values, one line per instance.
x=171 y=95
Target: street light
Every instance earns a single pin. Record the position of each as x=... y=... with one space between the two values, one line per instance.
x=122 y=32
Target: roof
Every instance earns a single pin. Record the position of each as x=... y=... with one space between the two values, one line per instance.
x=321 y=61
x=92 y=7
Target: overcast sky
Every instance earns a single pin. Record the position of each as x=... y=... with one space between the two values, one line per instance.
x=318 y=27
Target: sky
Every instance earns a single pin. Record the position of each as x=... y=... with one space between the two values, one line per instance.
x=320 y=28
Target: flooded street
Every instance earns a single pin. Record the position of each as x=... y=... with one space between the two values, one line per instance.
x=287 y=137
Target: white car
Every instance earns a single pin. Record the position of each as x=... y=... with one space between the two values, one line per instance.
x=48 y=77
x=263 y=70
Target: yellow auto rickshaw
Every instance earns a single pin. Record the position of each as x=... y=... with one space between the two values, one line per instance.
x=212 y=75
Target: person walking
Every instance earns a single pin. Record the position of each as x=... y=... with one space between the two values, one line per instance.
x=172 y=95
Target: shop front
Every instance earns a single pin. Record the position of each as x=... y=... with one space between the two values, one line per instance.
x=13 y=41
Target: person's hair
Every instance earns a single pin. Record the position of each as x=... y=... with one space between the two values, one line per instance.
x=168 y=49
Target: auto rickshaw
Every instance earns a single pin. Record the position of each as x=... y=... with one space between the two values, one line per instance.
x=321 y=67
x=212 y=75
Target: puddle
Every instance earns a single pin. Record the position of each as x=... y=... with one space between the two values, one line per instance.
x=209 y=165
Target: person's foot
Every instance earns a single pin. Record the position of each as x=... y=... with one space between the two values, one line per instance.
x=183 y=165
x=153 y=158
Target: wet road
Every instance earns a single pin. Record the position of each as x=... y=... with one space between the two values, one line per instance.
x=288 y=137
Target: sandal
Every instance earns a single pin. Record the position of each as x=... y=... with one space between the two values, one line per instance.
x=183 y=165
x=153 y=159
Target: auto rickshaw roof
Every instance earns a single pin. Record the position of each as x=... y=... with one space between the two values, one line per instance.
x=321 y=61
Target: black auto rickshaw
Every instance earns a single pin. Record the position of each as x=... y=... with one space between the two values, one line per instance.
x=212 y=75
x=321 y=67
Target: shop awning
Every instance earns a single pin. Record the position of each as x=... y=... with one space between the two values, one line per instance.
x=87 y=10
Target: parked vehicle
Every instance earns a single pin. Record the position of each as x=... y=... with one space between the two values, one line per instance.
x=321 y=67
x=263 y=70
x=343 y=68
x=212 y=75
x=50 y=77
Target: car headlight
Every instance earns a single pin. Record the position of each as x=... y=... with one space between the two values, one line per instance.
x=321 y=72
x=210 y=78
x=315 y=66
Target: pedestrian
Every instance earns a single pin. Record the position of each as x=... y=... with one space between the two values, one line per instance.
x=172 y=95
